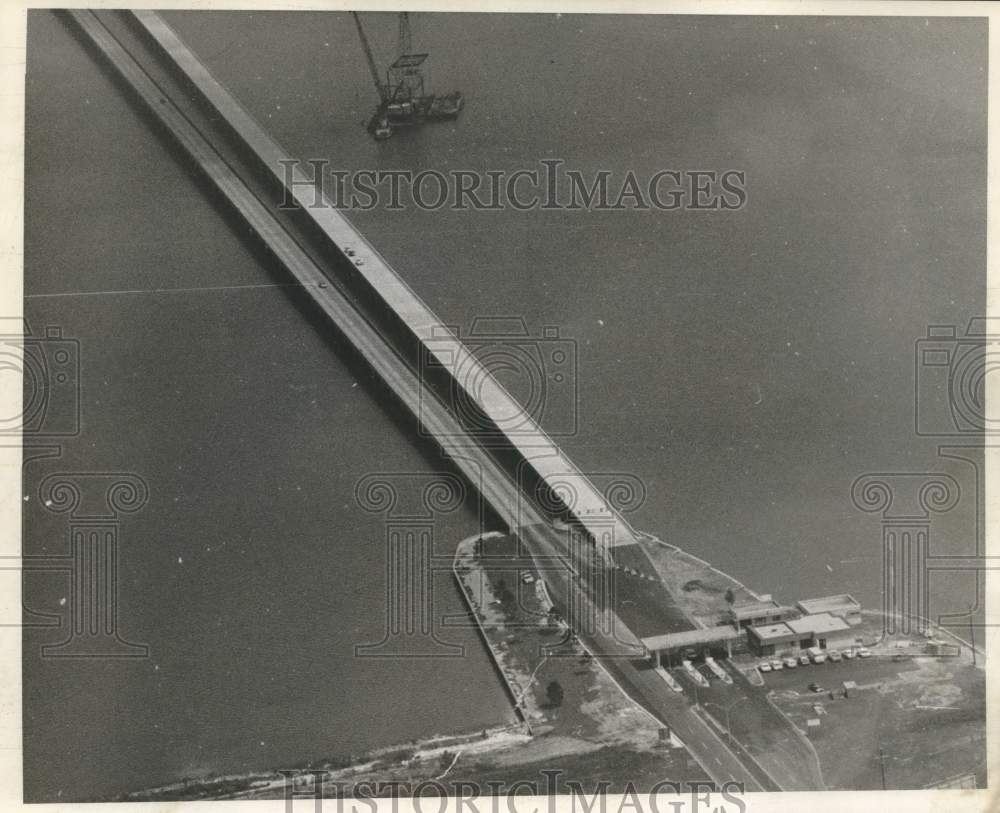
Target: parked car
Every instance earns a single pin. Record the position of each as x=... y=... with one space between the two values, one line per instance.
x=864 y=652
x=804 y=660
x=849 y=654
x=765 y=667
x=791 y=663
x=834 y=656
x=777 y=665
x=816 y=655
x=815 y=687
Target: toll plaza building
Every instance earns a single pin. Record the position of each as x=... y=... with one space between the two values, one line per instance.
x=763 y=627
x=842 y=606
x=761 y=612
x=670 y=649
x=824 y=630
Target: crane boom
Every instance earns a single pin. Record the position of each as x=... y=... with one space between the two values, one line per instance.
x=404 y=101
x=405 y=37
x=372 y=68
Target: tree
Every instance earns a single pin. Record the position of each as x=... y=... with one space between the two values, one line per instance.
x=505 y=597
x=554 y=694
x=730 y=596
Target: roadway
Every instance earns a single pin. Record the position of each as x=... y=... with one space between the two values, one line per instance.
x=760 y=732
x=219 y=163
x=615 y=648
x=192 y=129
x=465 y=373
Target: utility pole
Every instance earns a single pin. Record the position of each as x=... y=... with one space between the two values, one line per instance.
x=728 y=711
x=972 y=640
x=881 y=763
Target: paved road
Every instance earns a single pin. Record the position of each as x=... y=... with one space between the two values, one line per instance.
x=642 y=683
x=770 y=739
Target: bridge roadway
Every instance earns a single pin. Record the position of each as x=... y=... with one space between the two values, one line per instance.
x=640 y=681
x=497 y=484
x=480 y=469
x=519 y=431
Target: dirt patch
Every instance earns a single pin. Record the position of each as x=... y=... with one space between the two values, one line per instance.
x=700 y=590
x=913 y=724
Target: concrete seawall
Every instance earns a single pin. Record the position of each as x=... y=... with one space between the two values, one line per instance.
x=463 y=553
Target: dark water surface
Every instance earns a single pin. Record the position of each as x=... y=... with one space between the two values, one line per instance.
x=747 y=366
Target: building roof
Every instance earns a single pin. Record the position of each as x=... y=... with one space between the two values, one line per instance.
x=770 y=632
x=709 y=635
x=844 y=602
x=751 y=609
x=817 y=623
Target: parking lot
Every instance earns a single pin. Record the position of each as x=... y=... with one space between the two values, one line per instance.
x=863 y=671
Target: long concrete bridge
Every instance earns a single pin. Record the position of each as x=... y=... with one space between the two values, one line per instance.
x=403 y=314
x=389 y=326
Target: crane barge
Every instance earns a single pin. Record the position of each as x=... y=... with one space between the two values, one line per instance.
x=404 y=100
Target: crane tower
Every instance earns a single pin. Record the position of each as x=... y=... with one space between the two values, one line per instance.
x=404 y=100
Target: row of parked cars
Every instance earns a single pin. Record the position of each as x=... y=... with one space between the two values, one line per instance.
x=813 y=655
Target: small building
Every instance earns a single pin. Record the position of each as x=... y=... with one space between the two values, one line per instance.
x=842 y=606
x=822 y=630
x=670 y=648
x=757 y=613
x=767 y=639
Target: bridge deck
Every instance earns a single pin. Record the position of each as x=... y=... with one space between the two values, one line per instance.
x=479 y=467
x=497 y=485
x=588 y=506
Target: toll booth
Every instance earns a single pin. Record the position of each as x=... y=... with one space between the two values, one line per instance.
x=671 y=648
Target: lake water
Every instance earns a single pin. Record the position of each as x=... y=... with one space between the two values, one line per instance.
x=746 y=365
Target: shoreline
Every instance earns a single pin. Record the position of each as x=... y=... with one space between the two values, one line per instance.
x=611 y=718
